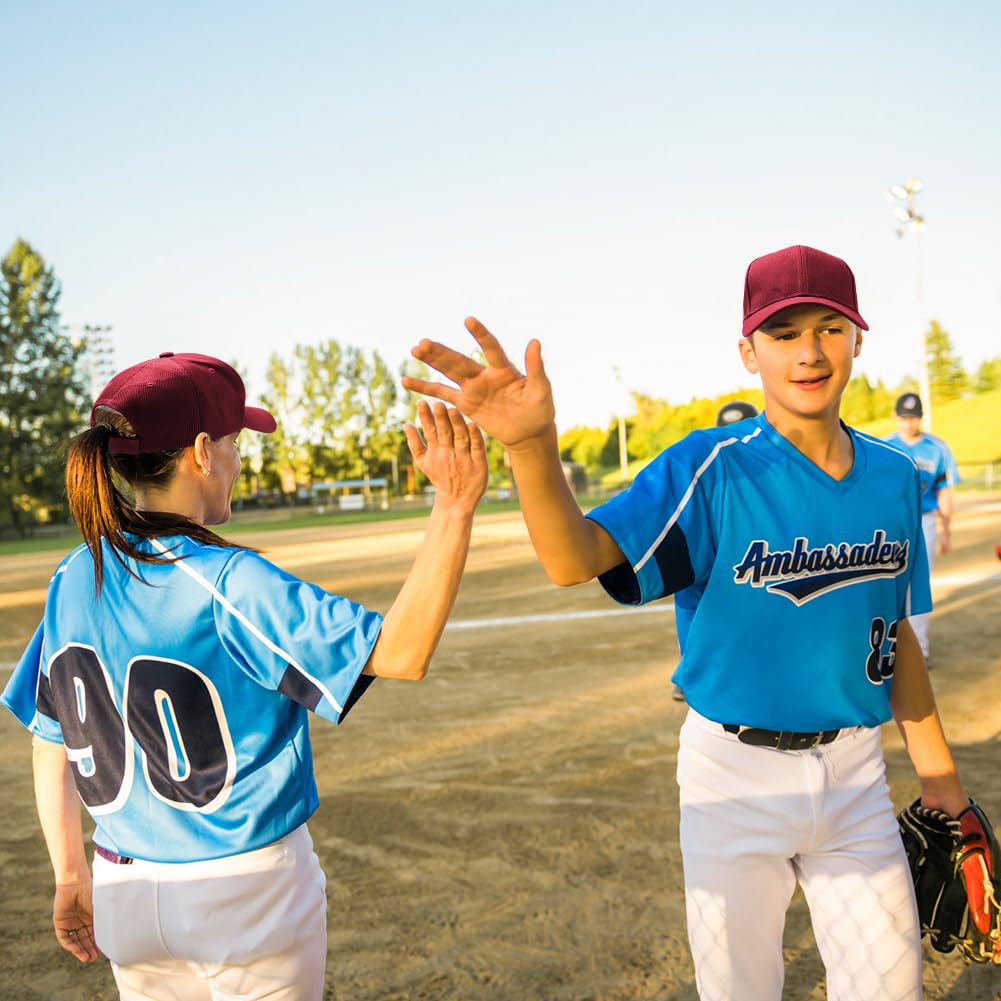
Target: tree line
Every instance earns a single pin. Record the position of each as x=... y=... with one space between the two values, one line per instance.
x=340 y=409
x=656 y=423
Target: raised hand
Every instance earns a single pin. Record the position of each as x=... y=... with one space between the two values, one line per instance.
x=451 y=455
x=506 y=404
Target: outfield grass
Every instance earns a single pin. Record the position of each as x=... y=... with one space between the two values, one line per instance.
x=254 y=521
x=970 y=427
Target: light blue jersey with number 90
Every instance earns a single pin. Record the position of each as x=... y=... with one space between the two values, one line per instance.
x=182 y=702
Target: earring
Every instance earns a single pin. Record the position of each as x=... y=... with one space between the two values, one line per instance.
x=207 y=471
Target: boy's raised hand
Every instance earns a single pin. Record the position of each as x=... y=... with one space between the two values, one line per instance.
x=506 y=404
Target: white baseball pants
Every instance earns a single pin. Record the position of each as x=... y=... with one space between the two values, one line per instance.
x=919 y=623
x=754 y=820
x=245 y=927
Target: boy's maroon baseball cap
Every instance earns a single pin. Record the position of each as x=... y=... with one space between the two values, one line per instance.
x=170 y=400
x=798 y=275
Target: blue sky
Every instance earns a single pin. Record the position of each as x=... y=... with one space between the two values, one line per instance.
x=236 y=178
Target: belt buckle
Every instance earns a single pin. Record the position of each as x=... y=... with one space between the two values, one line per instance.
x=818 y=739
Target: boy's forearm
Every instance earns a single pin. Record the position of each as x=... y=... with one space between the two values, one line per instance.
x=913 y=704
x=571 y=548
x=59 y=812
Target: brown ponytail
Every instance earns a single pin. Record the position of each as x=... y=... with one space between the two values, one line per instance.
x=103 y=511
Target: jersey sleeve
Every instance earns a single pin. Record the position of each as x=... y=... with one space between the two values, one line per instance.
x=294 y=637
x=27 y=693
x=951 y=469
x=664 y=523
x=917 y=594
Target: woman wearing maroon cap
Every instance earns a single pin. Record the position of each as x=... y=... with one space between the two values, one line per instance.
x=169 y=682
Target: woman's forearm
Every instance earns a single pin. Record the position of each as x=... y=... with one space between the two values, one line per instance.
x=59 y=812
x=414 y=624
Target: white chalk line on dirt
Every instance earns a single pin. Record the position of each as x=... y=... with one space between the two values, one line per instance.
x=523 y=620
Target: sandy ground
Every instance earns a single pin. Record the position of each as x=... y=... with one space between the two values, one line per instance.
x=507 y=829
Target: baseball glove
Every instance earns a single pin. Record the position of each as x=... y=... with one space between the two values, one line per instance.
x=952 y=864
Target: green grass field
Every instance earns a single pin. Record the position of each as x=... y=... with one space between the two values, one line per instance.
x=255 y=521
x=972 y=427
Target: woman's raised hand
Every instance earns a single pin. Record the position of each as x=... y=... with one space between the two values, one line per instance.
x=506 y=404
x=451 y=455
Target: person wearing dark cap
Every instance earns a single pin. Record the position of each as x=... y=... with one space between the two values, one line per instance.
x=687 y=600
x=939 y=475
x=735 y=410
x=801 y=539
x=168 y=687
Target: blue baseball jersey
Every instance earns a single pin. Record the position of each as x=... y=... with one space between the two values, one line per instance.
x=793 y=583
x=935 y=463
x=182 y=702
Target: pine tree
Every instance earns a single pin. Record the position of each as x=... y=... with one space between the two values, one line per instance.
x=946 y=376
x=42 y=394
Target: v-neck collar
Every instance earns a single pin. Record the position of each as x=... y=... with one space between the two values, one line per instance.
x=787 y=448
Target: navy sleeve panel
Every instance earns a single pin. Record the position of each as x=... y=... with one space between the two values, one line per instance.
x=621 y=584
x=674 y=561
x=664 y=523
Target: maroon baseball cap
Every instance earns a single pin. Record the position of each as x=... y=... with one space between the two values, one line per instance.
x=798 y=275
x=170 y=400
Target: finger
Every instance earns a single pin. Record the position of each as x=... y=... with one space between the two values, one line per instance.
x=452 y=364
x=460 y=431
x=414 y=442
x=426 y=388
x=428 y=426
x=88 y=945
x=534 y=368
x=442 y=425
x=492 y=350
x=477 y=446
x=78 y=942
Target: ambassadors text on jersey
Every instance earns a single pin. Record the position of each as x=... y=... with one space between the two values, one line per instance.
x=793 y=584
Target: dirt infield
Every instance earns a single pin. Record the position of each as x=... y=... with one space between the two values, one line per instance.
x=507 y=829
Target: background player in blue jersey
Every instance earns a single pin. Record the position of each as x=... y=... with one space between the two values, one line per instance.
x=939 y=474
x=169 y=682
x=790 y=530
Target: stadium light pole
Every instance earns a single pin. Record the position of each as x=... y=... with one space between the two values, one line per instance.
x=911 y=221
x=98 y=353
x=621 y=409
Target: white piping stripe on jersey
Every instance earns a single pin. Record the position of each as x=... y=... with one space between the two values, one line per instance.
x=688 y=494
x=233 y=610
x=518 y=620
x=72 y=556
x=884 y=444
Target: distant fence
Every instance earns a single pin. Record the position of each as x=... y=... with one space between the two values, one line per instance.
x=985 y=475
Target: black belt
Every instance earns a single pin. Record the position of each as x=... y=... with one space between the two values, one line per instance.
x=783 y=740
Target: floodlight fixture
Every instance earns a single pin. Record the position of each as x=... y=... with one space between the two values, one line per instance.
x=911 y=221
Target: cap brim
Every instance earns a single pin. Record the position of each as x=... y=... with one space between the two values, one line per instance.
x=258 y=419
x=757 y=318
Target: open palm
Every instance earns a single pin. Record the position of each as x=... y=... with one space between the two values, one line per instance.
x=506 y=404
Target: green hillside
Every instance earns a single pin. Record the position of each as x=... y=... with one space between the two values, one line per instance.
x=971 y=427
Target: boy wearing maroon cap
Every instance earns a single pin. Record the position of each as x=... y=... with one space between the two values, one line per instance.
x=788 y=532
